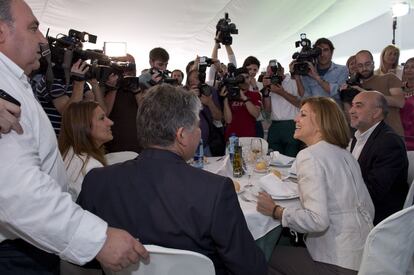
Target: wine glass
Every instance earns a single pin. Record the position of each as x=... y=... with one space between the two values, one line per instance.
x=256 y=147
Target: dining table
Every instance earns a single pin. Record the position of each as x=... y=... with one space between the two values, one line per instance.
x=264 y=229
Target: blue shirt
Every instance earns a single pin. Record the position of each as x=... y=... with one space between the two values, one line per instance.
x=335 y=76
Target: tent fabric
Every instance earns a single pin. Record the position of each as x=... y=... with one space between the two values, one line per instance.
x=186 y=28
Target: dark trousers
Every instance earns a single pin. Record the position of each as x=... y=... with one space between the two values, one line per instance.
x=287 y=260
x=20 y=257
x=280 y=137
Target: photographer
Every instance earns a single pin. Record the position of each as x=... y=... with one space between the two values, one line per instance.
x=210 y=115
x=326 y=77
x=241 y=106
x=55 y=99
x=158 y=60
x=282 y=99
x=218 y=70
x=124 y=105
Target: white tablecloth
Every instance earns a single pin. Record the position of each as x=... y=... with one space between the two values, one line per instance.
x=258 y=224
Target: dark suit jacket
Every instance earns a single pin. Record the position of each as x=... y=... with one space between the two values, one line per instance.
x=384 y=167
x=162 y=200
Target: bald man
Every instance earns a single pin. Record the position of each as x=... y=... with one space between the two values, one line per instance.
x=380 y=152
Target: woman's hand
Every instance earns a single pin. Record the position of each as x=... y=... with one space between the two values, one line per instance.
x=265 y=204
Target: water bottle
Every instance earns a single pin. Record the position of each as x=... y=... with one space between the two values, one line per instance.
x=233 y=142
x=199 y=155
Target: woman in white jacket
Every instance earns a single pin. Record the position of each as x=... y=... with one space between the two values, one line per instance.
x=85 y=128
x=337 y=210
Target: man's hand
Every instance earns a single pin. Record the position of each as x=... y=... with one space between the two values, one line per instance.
x=312 y=71
x=9 y=117
x=277 y=89
x=79 y=69
x=120 y=250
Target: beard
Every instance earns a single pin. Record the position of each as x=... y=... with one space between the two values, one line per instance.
x=366 y=74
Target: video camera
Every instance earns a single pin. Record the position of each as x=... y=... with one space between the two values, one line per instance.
x=165 y=77
x=64 y=51
x=307 y=54
x=203 y=63
x=231 y=82
x=275 y=78
x=348 y=94
x=226 y=29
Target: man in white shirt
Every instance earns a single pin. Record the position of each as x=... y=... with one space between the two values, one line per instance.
x=282 y=100
x=34 y=210
x=380 y=152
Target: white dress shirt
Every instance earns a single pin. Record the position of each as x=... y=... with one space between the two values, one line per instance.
x=337 y=211
x=33 y=204
x=361 y=139
x=281 y=108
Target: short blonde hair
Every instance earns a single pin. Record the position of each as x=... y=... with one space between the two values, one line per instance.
x=389 y=48
x=330 y=119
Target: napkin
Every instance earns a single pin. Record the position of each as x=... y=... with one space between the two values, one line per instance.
x=225 y=169
x=277 y=188
x=277 y=158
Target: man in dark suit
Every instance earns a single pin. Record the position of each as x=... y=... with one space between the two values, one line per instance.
x=380 y=152
x=162 y=200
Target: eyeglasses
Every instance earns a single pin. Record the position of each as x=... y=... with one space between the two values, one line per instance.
x=365 y=65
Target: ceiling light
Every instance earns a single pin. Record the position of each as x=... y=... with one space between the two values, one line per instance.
x=400 y=8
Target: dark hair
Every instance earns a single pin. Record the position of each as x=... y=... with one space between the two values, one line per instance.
x=325 y=41
x=189 y=67
x=251 y=60
x=159 y=54
x=163 y=110
x=76 y=132
x=178 y=70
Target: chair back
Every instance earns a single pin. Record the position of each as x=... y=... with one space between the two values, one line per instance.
x=246 y=141
x=389 y=248
x=169 y=261
x=410 y=176
x=117 y=157
x=410 y=196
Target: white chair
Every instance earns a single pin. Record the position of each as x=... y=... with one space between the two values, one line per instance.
x=169 y=261
x=389 y=248
x=410 y=196
x=245 y=143
x=117 y=157
x=410 y=176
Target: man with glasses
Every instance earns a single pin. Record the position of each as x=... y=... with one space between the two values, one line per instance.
x=326 y=78
x=388 y=84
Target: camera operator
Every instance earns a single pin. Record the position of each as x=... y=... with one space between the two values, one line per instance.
x=55 y=99
x=218 y=69
x=123 y=104
x=326 y=77
x=281 y=98
x=241 y=108
x=178 y=75
x=211 y=114
x=158 y=60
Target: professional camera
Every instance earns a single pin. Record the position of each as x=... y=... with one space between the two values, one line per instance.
x=307 y=54
x=165 y=77
x=232 y=82
x=203 y=63
x=348 y=94
x=64 y=51
x=275 y=78
x=226 y=29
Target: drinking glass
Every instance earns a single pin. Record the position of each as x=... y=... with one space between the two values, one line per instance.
x=256 y=147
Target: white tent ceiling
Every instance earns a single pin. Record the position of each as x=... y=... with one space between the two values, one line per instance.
x=267 y=28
